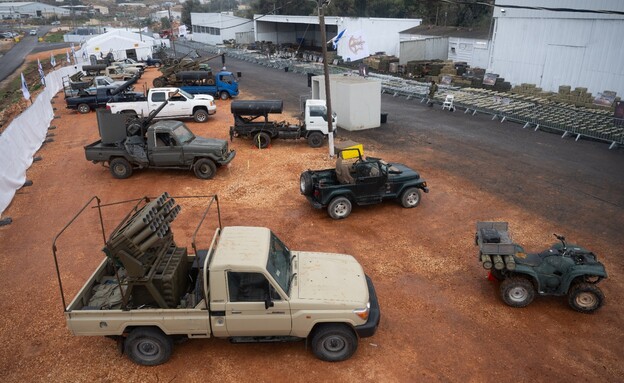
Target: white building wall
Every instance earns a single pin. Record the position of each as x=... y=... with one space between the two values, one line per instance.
x=213 y=28
x=472 y=51
x=432 y=48
x=560 y=48
x=382 y=35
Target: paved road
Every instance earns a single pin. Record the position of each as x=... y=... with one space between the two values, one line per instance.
x=14 y=58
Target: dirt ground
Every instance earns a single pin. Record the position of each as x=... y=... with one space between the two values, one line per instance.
x=442 y=320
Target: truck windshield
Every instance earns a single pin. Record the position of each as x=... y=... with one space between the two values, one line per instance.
x=279 y=263
x=226 y=78
x=183 y=135
x=186 y=94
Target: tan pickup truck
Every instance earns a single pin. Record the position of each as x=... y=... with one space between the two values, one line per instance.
x=247 y=286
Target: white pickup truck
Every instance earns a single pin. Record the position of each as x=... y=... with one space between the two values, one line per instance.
x=246 y=286
x=181 y=105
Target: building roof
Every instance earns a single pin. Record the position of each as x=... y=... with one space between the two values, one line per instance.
x=438 y=31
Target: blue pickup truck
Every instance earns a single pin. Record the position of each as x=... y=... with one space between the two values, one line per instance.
x=222 y=84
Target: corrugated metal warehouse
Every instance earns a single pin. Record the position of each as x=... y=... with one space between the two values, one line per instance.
x=552 y=48
x=470 y=45
x=213 y=28
x=379 y=35
x=20 y=10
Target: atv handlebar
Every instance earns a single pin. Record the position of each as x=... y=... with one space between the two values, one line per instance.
x=562 y=239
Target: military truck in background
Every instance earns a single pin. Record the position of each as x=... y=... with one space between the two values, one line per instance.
x=247 y=122
x=196 y=77
x=247 y=286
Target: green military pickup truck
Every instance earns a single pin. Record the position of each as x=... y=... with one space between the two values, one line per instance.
x=128 y=144
x=247 y=286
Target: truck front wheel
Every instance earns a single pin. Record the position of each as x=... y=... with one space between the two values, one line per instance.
x=120 y=168
x=262 y=140
x=334 y=342
x=200 y=115
x=315 y=140
x=224 y=95
x=410 y=197
x=204 y=169
x=148 y=346
x=585 y=297
x=517 y=291
x=339 y=208
x=84 y=108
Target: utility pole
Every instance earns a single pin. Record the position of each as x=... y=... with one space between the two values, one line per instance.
x=330 y=124
x=171 y=37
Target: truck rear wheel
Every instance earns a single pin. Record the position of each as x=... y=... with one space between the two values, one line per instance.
x=204 y=169
x=334 y=342
x=224 y=95
x=585 y=297
x=339 y=208
x=410 y=197
x=315 y=139
x=200 y=115
x=120 y=168
x=148 y=346
x=517 y=291
x=159 y=82
x=84 y=108
x=262 y=140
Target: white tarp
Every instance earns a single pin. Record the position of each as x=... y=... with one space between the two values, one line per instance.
x=25 y=135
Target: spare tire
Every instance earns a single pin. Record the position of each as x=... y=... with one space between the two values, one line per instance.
x=305 y=183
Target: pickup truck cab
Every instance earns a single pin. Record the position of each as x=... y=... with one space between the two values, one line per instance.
x=181 y=105
x=248 y=286
x=364 y=181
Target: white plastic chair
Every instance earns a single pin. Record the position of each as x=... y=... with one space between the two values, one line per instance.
x=448 y=103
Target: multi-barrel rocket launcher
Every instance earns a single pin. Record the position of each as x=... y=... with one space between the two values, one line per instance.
x=496 y=247
x=143 y=246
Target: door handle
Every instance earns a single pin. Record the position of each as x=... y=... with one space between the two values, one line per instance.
x=277 y=312
x=236 y=312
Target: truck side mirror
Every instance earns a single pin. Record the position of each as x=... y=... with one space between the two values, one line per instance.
x=268 y=303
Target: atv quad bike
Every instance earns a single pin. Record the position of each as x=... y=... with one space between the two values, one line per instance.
x=563 y=269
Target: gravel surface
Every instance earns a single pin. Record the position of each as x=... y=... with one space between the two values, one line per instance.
x=442 y=320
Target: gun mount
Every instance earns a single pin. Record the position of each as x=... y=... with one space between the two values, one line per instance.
x=154 y=266
x=171 y=74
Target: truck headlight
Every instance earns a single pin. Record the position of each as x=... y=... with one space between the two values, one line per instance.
x=363 y=313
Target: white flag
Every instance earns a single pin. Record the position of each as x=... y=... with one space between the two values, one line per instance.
x=25 y=91
x=52 y=60
x=356 y=47
x=41 y=73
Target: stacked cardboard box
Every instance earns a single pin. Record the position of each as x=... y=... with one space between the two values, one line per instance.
x=381 y=62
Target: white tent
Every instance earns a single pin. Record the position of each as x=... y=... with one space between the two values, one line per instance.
x=121 y=44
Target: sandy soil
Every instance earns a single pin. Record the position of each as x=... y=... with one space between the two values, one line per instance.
x=442 y=320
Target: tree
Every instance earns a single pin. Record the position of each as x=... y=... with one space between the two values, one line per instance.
x=165 y=23
x=192 y=6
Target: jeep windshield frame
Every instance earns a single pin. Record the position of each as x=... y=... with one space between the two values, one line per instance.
x=279 y=263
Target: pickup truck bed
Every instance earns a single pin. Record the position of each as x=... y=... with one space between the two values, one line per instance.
x=85 y=313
